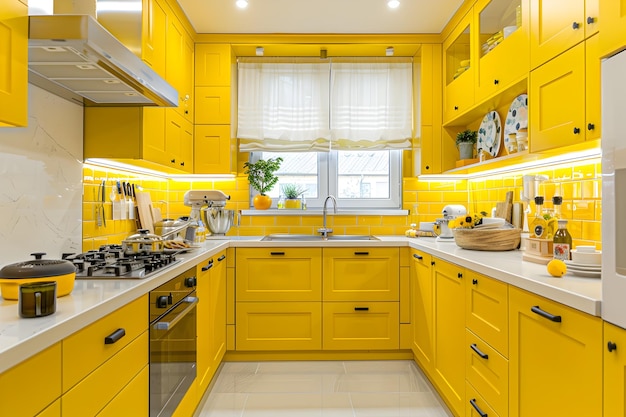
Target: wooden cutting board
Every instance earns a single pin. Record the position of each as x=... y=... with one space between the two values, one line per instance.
x=504 y=209
x=144 y=209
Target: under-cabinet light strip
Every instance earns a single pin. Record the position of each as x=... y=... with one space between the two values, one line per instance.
x=105 y=163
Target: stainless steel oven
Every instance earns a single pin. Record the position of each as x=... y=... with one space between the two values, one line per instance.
x=172 y=342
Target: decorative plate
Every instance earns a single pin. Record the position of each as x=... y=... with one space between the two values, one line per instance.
x=516 y=118
x=490 y=133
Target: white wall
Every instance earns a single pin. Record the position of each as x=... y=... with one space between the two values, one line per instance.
x=41 y=180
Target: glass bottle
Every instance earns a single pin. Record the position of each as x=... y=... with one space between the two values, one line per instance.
x=562 y=242
x=538 y=224
x=281 y=202
x=557 y=201
x=303 y=202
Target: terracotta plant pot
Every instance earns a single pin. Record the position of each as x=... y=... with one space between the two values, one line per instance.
x=262 y=202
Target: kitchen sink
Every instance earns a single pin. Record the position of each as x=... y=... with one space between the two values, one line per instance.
x=315 y=238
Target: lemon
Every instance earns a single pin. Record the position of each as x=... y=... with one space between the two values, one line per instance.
x=557 y=268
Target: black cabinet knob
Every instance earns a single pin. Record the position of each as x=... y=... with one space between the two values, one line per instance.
x=496 y=82
x=173 y=161
x=191 y=282
x=427 y=167
x=161 y=301
x=475 y=281
x=432 y=263
x=456 y=107
x=590 y=126
x=182 y=164
x=575 y=25
x=576 y=130
x=611 y=346
x=590 y=20
x=459 y=275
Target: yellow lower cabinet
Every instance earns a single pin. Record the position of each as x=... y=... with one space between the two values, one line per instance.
x=361 y=325
x=204 y=367
x=476 y=406
x=555 y=359
x=283 y=325
x=488 y=372
x=92 y=394
x=487 y=309
x=29 y=387
x=53 y=410
x=422 y=309
x=614 y=370
x=133 y=400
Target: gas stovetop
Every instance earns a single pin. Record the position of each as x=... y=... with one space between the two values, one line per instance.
x=110 y=261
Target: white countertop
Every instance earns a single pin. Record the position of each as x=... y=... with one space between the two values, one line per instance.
x=92 y=299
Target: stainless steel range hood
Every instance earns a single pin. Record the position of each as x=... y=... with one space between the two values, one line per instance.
x=76 y=58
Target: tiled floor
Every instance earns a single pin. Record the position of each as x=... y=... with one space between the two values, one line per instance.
x=323 y=389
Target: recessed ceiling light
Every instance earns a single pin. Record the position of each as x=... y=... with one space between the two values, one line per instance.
x=393 y=4
x=242 y=4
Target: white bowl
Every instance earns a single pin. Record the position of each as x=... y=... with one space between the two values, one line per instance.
x=585 y=248
x=587 y=258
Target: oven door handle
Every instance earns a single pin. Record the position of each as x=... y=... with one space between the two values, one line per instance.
x=166 y=325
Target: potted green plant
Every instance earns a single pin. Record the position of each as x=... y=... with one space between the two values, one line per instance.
x=292 y=193
x=261 y=177
x=465 y=141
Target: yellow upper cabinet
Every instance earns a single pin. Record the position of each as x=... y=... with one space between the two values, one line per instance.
x=214 y=150
x=458 y=69
x=565 y=99
x=557 y=25
x=213 y=65
x=154 y=24
x=13 y=63
x=503 y=43
x=612 y=23
x=179 y=65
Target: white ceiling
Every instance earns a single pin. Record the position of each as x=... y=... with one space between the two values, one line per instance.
x=319 y=16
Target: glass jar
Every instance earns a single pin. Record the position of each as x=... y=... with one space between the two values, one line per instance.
x=562 y=242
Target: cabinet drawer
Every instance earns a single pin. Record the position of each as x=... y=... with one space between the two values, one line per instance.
x=488 y=372
x=85 y=350
x=23 y=390
x=487 y=309
x=94 y=392
x=361 y=274
x=279 y=274
x=476 y=404
x=361 y=326
x=279 y=326
x=133 y=400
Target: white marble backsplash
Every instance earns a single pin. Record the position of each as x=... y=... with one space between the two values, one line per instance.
x=41 y=180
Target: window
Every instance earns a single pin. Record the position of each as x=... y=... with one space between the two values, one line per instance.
x=358 y=179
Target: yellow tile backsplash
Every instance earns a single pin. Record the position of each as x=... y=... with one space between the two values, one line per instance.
x=580 y=187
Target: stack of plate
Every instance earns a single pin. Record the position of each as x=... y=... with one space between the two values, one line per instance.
x=584 y=270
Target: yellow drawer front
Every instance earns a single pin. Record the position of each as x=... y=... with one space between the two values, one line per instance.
x=487 y=310
x=488 y=372
x=29 y=387
x=92 y=394
x=361 y=274
x=279 y=274
x=279 y=326
x=85 y=350
x=476 y=404
x=133 y=400
x=361 y=326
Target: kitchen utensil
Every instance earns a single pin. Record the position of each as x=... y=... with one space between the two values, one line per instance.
x=115 y=202
x=37 y=299
x=142 y=242
x=487 y=239
x=122 y=192
x=144 y=208
x=587 y=258
x=98 y=208
x=131 y=204
x=503 y=209
x=443 y=232
x=219 y=220
x=37 y=270
x=170 y=229
x=103 y=200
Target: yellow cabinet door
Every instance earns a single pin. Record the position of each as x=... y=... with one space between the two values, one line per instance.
x=459 y=61
x=92 y=394
x=13 y=63
x=363 y=325
x=488 y=372
x=178 y=141
x=213 y=65
x=592 y=17
x=508 y=61
x=614 y=370
x=361 y=274
x=476 y=406
x=153 y=33
x=23 y=393
x=557 y=107
x=153 y=136
x=279 y=274
x=422 y=309
x=279 y=325
x=217 y=315
x=593 y=87
x=214 y=150
x=487 y=310
x=449 y=331
x=612 y=23
x=204 y=359
x=212 y=105
x=555 y=359
x=555 y=26
x=133 y=400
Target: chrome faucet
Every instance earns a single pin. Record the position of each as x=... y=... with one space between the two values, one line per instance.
x=324 y=230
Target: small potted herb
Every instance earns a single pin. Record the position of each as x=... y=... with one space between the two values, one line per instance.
x=465 y=141
x=261 y=177
x=292 y=193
